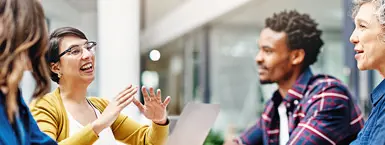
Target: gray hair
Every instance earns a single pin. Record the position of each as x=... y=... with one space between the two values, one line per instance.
x=379 y=9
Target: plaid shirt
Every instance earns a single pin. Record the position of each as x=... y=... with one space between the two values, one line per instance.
x=320 y=110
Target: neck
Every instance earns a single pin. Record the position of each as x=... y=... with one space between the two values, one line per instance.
x=286 y=84
x=73 y=91
x=382 y=71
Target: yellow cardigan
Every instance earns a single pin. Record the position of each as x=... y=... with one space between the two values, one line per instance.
x=51 y=117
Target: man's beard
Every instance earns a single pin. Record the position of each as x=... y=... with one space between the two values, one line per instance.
x=286 y=77
x=264 y=82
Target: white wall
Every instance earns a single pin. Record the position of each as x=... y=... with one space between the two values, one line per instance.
x=186 y=17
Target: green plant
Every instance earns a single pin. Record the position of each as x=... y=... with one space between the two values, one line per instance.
x=214 y=138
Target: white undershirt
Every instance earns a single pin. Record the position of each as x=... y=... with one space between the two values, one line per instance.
x=283 y=125
x=106 y=137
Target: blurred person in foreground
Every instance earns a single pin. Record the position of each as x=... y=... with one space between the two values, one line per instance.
x=23 y=43
x=306 y=108
x=369 y=40
x=71 y=118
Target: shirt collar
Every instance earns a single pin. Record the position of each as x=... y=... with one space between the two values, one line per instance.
x=377 y=93
x=299 y=88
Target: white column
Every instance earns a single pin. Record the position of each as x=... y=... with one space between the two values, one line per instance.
x=118 y=52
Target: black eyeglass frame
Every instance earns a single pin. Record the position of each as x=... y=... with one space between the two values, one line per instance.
x=69 y=49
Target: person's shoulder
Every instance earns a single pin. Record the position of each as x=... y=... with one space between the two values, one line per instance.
x=47 y=100
x=49 y=103
x=327 y=84
x=326 y=81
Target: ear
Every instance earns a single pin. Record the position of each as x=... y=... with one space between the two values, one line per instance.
x=55 y=67
x=297 y=56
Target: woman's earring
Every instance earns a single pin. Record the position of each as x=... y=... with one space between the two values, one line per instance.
x=59 y=75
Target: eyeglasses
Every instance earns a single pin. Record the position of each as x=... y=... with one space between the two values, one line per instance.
x=77 y=50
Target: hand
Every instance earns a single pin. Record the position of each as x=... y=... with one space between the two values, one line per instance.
x=113 y=109
x=153 y=107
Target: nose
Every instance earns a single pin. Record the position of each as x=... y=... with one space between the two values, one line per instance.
x=86 y=54
x=354 y=38
x=259 y=57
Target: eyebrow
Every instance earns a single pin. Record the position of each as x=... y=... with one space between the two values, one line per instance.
x=361 y=20
x=266 y=47
x=73 y=45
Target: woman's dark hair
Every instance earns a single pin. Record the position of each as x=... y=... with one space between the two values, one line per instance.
x=54 y=42
x=301 y=31
x=23 y=43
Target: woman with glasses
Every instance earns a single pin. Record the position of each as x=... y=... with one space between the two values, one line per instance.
x=69 y=117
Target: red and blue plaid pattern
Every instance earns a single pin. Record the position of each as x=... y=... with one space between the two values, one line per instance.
x=320 y=110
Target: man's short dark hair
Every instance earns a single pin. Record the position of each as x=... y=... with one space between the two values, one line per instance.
x=301 y=31
x=55 y=38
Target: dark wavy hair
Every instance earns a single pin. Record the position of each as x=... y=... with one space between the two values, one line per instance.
x=301 y=31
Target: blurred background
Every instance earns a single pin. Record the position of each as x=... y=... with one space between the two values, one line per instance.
x=201 y=51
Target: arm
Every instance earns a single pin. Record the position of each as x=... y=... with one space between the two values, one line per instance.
x=46 y=117
x=154 y=109
x=327 y=120
x=46 y=121
x=253 y=135
x=130 y=132
x=38 y=137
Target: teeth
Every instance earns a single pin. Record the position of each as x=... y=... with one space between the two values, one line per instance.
x=88 y=66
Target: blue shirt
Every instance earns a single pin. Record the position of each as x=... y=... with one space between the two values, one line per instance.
x=24 y=131
x=374 y=129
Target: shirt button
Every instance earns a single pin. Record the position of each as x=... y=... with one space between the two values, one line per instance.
x=295 y=102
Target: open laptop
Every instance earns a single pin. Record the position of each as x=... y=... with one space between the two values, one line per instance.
x=194 y=124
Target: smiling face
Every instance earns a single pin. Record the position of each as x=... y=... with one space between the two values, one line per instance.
x=78 y=64
x=368 y=39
